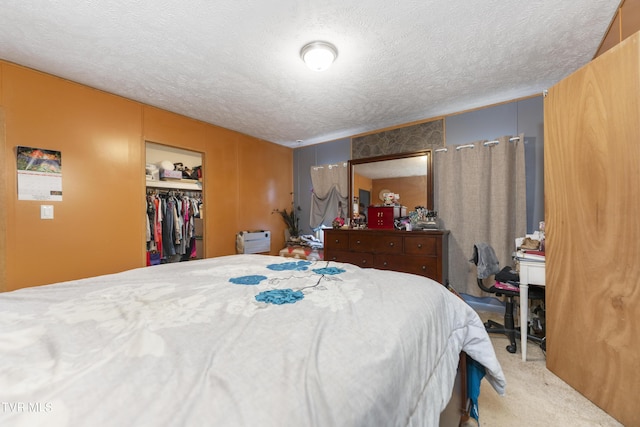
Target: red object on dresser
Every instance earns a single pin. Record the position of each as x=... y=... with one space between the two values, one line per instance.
x=381 y=217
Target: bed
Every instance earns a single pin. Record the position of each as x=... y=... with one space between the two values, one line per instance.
x=242 y=340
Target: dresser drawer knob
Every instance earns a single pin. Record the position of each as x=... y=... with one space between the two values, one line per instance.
x=419 y=245
x=385 y=263
x=357 y=242
x=391 y=244
x=337 y=240
x=424 y=268
x=364 y=261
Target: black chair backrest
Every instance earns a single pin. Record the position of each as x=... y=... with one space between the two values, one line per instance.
x=474 y=259
x=480 y=281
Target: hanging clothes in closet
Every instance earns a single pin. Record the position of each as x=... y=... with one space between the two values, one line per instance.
x=170 y=229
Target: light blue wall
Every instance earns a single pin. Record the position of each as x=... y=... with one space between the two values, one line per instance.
x=523 y=116
x=488 y=123
x=306 y=157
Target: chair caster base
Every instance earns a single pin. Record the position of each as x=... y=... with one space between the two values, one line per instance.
x=511 y=348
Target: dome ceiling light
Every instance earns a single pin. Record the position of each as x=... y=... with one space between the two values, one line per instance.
x=319 y=55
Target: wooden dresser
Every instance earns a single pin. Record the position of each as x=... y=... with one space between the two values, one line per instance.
x=418 y=252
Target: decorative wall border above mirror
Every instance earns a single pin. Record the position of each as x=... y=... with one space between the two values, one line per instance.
x=428 y=135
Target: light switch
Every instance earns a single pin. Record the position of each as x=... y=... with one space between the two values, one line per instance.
x=46 y=211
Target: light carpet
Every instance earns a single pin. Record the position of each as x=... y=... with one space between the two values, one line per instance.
x=535 y=396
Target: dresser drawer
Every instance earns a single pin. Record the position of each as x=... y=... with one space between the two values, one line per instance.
x=362 y=242
x=388 y=245
x=337 y=240
x=421 y=245
x=361 y=259
x=422 y=266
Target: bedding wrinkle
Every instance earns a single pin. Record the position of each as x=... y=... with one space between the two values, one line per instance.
x=185 y=345
x=319 y=409
x=441 y=359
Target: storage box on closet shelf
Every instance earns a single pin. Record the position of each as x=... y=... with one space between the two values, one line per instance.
x=168 y=172
x=170 y=175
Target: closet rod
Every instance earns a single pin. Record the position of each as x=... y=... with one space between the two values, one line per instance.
x=194 y=194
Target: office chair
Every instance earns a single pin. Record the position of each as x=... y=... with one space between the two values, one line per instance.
x=486 y=262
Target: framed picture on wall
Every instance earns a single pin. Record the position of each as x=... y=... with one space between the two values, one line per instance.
x=39 y=174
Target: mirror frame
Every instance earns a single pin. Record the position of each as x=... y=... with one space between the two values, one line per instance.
x=428 y=153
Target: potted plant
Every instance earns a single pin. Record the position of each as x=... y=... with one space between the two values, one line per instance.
x=292 y=221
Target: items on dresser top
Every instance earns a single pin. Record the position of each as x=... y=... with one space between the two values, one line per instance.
x=381 y=217
x=305 y=246
x=419 y=252
x=302 y=252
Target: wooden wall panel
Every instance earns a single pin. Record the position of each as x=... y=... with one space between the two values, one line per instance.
x=3 y=196
x=592 y=200
x=612 y=37
x=98 y=228
x=625 y=23
x=265 y=183
x=630 y=13
x=95 y=228
x=222 y=192
x=164 y=127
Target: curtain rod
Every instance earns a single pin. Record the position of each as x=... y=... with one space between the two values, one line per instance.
x=496 y=142
x=335 y=165
x=486 y=144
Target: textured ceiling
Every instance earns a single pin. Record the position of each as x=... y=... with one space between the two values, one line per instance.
x=236 y=64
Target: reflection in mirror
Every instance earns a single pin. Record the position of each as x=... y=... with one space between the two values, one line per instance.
x=409 y=176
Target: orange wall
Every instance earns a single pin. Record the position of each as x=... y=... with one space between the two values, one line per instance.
x=3 y=196
x=98 y=227
x=410 y=189
x=363 y=183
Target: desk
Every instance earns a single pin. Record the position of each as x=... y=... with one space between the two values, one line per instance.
x=531 y=272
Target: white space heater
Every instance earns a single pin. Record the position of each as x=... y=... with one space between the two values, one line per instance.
x=253 y=242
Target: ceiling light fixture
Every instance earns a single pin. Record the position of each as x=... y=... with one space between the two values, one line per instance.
x=319 y=55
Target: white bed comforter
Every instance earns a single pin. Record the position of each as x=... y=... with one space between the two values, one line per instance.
x=188 y=344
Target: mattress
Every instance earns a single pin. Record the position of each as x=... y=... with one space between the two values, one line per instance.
x=242 y=340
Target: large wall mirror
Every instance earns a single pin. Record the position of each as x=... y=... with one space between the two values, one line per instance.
x=410 y=175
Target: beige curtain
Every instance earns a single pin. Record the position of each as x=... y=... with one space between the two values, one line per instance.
x=330 y=193
x=480 y=197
